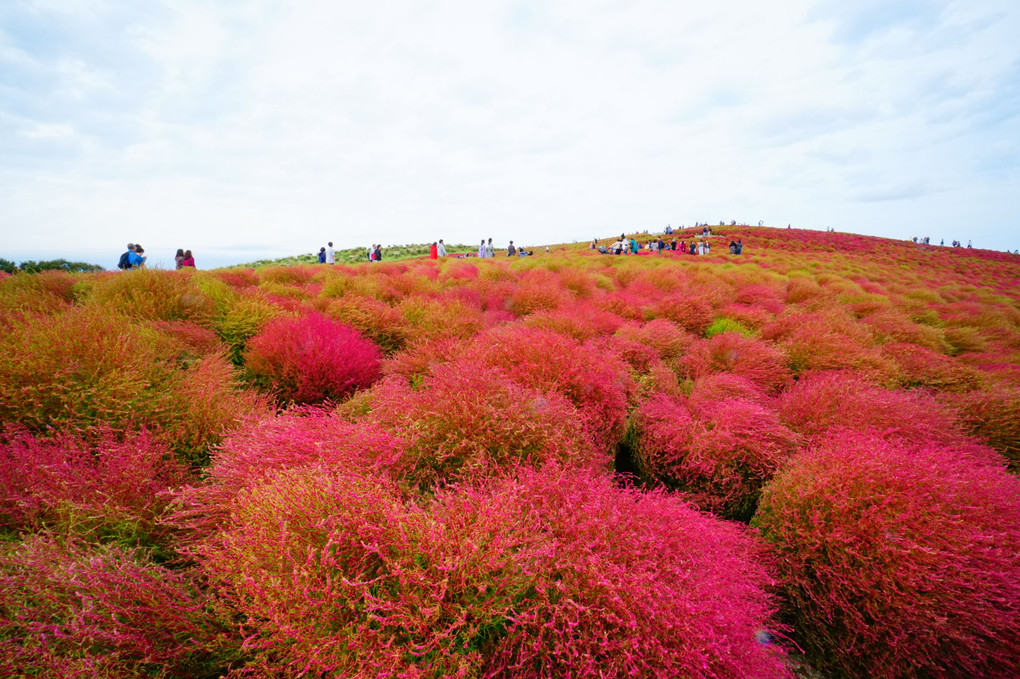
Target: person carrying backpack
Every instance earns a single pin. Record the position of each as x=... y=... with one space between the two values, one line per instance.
x=125 y=259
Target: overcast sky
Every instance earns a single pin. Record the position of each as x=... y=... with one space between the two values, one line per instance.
x=248 y=128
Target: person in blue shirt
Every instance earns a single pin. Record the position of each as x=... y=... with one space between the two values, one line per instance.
x=136 y=257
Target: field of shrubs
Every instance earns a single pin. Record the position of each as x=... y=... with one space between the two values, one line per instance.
x=796 y=462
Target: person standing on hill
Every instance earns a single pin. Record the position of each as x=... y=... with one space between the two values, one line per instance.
x=137 y=257
x=330 y=253
x=179 y=257
x=434 y=250
x=511 y=250
x=125 y=259
x=489 y=250
x=442 y=248
x=322 y=255
x=481 y=250
x=189 y=260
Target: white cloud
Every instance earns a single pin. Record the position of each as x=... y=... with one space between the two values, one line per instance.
x=280 y=125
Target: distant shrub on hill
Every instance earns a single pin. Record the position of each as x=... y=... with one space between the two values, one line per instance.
x=898 y=558
x=31 y=266
x=553 y=573
x=311 y=359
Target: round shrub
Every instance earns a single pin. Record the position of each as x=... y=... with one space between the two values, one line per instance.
x=261 y=448
x=993 y=415
x=761 y=362
x=898 y=559
x=104 y=482
x=553 y=573
x=152 y=294
x=547 y=361
x=471 y=422
x=722 y=386
x=71 y=609
x=311 y=359
x=719 y=454
x=89 y=366
x=823 y=401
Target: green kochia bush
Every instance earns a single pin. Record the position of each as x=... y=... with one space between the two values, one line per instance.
x=898 y=559
x=546 y=574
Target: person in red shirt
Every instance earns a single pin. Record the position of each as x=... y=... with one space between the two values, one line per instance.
x=434 y=251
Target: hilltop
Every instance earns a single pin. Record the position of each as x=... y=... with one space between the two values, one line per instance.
x=797 y=461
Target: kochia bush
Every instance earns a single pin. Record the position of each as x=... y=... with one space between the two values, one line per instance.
x=547 y=361
x=898 y=559
x=311 y=359
x=718 y=454
x=470 y=422
x=761 y=362
x=71 y=609
x=549 y=574
x=108 y=483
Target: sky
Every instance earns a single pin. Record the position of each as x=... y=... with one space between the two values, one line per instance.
x=244 y=129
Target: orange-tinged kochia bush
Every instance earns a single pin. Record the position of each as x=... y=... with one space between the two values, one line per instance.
x=470 y=422
x=311 y=359
x=718 y=454
x=898 y=559
x=71 y=609
x=89 y=366
x=552 y=573
x=152 y=294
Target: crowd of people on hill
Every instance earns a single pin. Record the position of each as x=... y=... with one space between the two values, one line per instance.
x=135 y=257
x=632 y=246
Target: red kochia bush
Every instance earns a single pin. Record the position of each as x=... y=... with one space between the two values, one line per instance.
x=823 y=401
x=899 y=559
x=547 y=361
x=70 y=609
x=992 y=414
x=553 y=573
x=311 y=359
x=719 y=454
x=84 y=484
x=260 y=449
x=762 y=363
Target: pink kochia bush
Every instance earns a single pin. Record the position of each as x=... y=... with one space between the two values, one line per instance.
x=470 y=422
x=554 y=573
x=99 y=483
x=823 y=401
x=311 y=359
x=259 y=449
x=71 y=609
x=718 y=454
x=897 y=558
